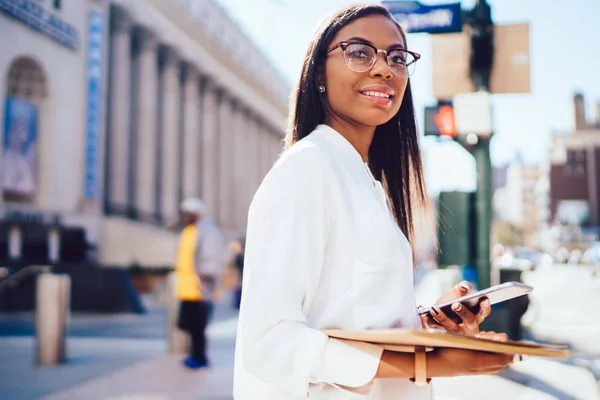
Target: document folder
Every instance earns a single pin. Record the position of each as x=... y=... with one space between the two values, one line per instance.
x=403 y=340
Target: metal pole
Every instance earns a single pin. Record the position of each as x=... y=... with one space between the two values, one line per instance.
x=483 y=210
x=481 y=66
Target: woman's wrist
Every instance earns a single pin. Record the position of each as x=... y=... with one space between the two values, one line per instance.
x=396 y=365
x=402 y=365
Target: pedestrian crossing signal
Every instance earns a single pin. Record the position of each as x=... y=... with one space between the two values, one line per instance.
x=439 y=121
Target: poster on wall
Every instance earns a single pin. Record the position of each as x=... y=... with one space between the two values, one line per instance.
x=19 y=158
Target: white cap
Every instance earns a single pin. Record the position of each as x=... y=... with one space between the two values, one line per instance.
x=193 y=206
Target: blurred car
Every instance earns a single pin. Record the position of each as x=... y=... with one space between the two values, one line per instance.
x=521 y=258
x=592 y=255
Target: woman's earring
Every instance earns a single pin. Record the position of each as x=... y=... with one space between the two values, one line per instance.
x=322 y=89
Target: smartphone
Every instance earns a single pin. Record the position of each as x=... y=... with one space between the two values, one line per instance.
x=496 y=294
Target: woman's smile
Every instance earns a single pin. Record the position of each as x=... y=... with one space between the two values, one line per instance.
x=380 y=95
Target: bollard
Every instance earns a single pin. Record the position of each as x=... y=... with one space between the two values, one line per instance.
x=53 y=293
x=179 y=341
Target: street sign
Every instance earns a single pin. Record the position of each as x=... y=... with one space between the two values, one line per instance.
x=415 y=17
x=510 y=71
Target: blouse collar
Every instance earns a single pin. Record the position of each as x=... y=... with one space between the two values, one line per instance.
x=340 y=142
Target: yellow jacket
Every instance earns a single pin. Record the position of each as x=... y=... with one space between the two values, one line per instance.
x=188 y=281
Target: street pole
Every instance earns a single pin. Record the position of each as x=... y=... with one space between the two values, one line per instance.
x=483 y=210
x=482 y=55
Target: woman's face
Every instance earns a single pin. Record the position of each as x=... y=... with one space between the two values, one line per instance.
x=349 y=93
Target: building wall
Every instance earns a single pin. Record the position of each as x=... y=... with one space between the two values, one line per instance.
x=63 y=113
x=518 y=201
x=532 y=213
x=189 y=107
x=575 y=171
x=568 y=181
x=62 y=116
x=194 y=109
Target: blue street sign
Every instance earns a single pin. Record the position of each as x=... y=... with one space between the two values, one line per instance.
x=416 y=17
x=31 y=13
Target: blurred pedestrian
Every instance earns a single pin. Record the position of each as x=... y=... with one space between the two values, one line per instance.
x=238 y=264
x=330 y=231
x=199 y=266
x=233 y=273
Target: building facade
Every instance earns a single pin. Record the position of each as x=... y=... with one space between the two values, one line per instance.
x=117 y=110
x=195 y=109
x=575 y=172
x=517 y=201
x=51 y=63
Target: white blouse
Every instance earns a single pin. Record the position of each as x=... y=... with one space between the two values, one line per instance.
x=322 y=252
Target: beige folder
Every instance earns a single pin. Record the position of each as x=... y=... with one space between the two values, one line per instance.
x=403 y=340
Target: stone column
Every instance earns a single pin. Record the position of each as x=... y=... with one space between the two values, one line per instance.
x=170 y=124
x=191 y=133
x=146 y=123
x=255 y=154
x=271 y=148
x=225 y=209
x=277 y=145
x=209 y=157
x=120 y=113
x=240 y=144
x=266 y=150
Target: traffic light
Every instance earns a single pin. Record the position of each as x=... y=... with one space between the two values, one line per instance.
x=439 y=120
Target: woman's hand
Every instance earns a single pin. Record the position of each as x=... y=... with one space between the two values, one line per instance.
x=469 y=324
x=456 y=362
x=447 y=362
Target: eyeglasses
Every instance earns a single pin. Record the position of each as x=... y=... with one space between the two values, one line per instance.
x=360 y=57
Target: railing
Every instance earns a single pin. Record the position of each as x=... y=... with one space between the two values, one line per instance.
x=16 y=278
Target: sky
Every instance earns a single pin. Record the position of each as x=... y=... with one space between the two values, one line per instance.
x=565 y=58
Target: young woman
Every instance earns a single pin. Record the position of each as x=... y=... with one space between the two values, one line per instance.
x=330 y=231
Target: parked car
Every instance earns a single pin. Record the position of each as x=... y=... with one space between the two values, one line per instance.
x=592 y=255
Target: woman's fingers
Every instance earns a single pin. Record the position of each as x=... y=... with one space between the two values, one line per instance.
x=498 y=337
x=427 y=321
x=469 y=321
x=485 y=309
x=445 y=321
x=430 y=323
x=460 y=290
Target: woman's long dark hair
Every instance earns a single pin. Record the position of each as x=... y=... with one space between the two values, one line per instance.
x=394 y=155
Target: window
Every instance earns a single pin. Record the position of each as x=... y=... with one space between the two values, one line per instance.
x=56 y=4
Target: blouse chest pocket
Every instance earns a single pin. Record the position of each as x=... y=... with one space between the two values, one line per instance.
x=379 y=292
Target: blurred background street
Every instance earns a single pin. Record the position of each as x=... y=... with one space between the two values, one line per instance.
x=115 y=111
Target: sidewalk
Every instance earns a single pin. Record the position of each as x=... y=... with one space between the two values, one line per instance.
x=98 y=346
x=163 y=378
x=88 y=358
x=137 y=366
x=531 y=379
